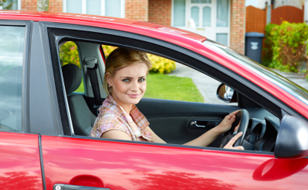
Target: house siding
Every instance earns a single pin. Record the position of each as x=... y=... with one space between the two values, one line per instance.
x=160 y=12
x=28 y=5
x=55 y=6
x=237 y=29
x=137 y=10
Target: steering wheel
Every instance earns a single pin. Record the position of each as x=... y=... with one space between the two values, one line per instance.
x=243 y=117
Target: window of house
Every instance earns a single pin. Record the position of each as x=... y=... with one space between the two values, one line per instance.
x=12 y=42
x=113 y=8
x=206 y=17
x=179 y=10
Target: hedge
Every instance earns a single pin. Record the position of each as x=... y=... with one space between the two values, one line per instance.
x=286 y=46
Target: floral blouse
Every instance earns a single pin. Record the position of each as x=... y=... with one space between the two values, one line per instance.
x=113 y=117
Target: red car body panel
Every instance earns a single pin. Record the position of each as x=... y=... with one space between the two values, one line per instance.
x=20 y=166
x=120 y=165
x=179 y=37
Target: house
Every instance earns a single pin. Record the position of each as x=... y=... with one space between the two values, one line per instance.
x=220 y=20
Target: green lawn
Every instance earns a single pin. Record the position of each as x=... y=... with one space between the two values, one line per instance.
x=168 y=87
x=172 y=88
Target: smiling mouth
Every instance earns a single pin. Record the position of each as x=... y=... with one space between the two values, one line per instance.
x=133 y=95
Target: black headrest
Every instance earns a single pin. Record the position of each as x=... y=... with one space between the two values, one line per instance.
x=72 y=77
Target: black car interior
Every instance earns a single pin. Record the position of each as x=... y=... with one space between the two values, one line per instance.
x=175 y=121
x=82 y=117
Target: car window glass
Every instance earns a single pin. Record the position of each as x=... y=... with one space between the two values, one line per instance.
x=12 y=41
x=69 y=55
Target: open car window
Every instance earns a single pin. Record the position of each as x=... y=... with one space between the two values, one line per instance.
x=176 y=121
x=179 y=115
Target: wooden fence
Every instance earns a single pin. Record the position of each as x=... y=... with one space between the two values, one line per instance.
x=256 y=18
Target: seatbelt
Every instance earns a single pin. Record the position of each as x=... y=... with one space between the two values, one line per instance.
x=92 y=65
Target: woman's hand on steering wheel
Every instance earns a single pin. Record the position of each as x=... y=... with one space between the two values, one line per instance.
x=226 y=124
x=231 y=142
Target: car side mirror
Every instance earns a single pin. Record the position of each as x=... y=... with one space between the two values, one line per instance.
x=226 y=93
x=292 y=139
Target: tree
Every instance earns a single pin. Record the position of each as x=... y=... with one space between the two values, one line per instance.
x=42 y=5
x=6 y=4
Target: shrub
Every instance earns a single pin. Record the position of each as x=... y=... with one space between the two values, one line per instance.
x=108 y=49
x=161 y=65
x=286 y=45
x=69 y=53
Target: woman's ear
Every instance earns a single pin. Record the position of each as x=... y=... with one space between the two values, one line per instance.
x=109 y=79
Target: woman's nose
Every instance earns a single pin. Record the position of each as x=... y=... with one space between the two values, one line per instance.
x=135 y=85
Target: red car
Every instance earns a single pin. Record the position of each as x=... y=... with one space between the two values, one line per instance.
x=45 y=123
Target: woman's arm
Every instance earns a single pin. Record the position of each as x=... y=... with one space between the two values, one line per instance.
x=116 y=134
x=155 y=137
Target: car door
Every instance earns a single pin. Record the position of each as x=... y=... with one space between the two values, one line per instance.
x=78 y=162
x=19 y=151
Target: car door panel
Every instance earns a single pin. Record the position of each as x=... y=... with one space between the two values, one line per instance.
x=179 y=122
x=126 y=165
x=20 y=161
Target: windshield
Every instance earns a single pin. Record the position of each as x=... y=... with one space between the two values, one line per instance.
x=289 y=86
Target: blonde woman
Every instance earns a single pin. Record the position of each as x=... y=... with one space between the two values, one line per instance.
x=119 y=118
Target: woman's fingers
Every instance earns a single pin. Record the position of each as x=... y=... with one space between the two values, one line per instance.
x=230 y=144
x=236 y=128
x=234 y=139
x=235 y=112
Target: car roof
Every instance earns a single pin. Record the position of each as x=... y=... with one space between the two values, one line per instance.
x=145 y=28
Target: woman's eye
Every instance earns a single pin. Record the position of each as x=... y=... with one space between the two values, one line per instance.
x=125 y=80
x=141 y=79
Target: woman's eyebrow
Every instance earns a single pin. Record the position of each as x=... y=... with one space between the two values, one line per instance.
x=125 y=77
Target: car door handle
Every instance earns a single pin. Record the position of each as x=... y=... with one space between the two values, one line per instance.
x=206 y=124
x=76 y=187
x=194 y=124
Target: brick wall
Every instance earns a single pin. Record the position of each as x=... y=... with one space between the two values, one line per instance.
x=237 y=30
x=160 y=12
x=137 y=10
x=55 y=6
x=28 y=5
x=31 y=5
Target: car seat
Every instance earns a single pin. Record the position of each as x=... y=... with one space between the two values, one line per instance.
x=82 y=117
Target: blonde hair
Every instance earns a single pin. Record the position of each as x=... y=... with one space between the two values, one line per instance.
x=121 y=58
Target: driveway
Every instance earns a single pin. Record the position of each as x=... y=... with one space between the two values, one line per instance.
x=206 y=85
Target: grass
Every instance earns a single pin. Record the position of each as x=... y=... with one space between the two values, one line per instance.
x=80 y=89
x=168 y=87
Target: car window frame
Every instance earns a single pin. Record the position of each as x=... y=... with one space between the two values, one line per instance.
x=25 y=123
x=58 y=32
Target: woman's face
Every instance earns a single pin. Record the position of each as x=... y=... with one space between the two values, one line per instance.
x=128 y=84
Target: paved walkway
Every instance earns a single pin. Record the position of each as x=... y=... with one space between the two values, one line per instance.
x=208 y=86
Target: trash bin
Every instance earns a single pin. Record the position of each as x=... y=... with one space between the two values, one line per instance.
x=253 y=45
